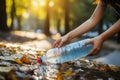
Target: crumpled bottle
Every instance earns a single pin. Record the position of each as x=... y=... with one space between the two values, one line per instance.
x=67 y=53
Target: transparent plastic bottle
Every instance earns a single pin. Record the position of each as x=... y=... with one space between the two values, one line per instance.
x=67 y=53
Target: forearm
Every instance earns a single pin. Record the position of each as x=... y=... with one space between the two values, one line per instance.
x=83 y=28
x=111 y=31
x=90 y=23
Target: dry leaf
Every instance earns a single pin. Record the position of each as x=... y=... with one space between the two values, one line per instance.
x=31 y=56
x=24 y=59
x=59 y=76
x=114 y=68
x=18 y=61
x=40 y=53
x=105 y=68
x=5 y=69
x=68 y=72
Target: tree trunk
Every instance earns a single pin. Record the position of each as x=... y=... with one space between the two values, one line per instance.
x=19 y=22
x=13 y=13
x=37 y=23
x=3 y=16
x=58 y=26
x=67 y=28
x=47 y=22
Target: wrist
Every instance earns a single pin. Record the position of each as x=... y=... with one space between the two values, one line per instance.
x=69 y=36
x=102 y=37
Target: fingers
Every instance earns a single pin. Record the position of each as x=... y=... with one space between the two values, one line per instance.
x=59 y=43
x=89 y=42
x=56 y=43
x=62 y=42
x=94 y=51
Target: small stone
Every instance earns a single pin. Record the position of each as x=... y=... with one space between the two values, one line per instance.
x=82 y=78
x=79 y=70
x=99 y=79
x=24 y=68
x=77 y=63
x=111 y=79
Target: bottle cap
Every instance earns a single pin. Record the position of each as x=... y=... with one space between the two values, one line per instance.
x=39 y=60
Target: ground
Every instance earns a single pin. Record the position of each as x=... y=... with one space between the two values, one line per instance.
x=32 y=44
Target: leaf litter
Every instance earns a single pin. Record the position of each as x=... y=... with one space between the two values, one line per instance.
x=18 y=62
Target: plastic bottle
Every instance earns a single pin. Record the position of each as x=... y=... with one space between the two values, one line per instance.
x=67 y=53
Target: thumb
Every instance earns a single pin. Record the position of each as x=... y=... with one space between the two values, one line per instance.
x=60 y=44
x=89 y=42
x=56 y=43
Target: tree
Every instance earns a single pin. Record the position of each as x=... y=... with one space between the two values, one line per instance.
x=20 y=8
x=17 y=11
x=3 y=16
x=13 y=13
x=67 y=27
x=47 y=21
x=58 y=25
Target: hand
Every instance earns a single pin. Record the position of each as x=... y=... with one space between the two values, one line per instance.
x=97 y=45
x=62 y=41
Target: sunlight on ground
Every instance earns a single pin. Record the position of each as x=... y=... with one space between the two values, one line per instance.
x=43 y=44
x=56 y=36
x=30 y=34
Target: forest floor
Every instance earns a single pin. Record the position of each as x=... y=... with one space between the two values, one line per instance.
x=18 y=41
x=109 y=53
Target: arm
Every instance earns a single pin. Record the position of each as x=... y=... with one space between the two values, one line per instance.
x=91 y=22
x=111 y=31
x=98 y=41
x=86 y=26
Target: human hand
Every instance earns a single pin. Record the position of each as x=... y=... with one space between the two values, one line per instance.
x=97 y=45
x=62 y=41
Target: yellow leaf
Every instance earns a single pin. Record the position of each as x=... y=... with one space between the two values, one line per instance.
x=68 y=72
x=59 y=76
x=40 y=53
x=18 y=61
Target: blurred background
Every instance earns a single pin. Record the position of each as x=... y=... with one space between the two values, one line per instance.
x=51 y=16
x=56 y=18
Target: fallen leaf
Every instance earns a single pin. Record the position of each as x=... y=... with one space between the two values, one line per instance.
x=105 y=68
x=5 y=69
x=114 y=68
x=18 y=61
x=68 y=72
x=59 y=76
x=40 y=53
x=24 y=59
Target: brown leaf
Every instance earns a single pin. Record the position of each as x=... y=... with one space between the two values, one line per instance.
x=18 y=61
x=114 y=68
x=24 y=59
x=59 y=76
